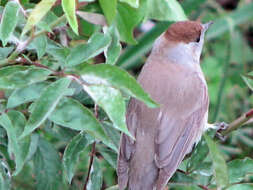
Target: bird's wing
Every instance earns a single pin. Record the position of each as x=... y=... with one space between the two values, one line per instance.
x=181 y=123
x=127 y=144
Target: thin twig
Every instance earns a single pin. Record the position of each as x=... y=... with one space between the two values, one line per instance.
x=23 y=45
x=234 y=125
x=93 y=152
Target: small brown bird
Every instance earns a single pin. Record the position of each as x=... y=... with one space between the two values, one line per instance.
x=164 y=135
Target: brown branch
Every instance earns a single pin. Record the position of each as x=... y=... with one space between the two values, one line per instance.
x=93 y=152
x=234 y=125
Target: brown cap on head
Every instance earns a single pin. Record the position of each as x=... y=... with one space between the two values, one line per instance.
x=184 y=31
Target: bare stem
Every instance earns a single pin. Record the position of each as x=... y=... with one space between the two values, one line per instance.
x=21 y=47
x=93 y=152
x=234 y=125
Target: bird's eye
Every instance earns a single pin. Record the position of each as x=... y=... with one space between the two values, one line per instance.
x=197 y=40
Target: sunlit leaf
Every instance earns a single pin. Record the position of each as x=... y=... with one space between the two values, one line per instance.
x=165 y=10
x=20 y=78
x=219 y=164
x=115 y=187
x=248 y=81
x=70 y=113
x=9 y=21
x=72 y=152
x=14 y=122
x=38 y=13
x=69 y=7
x=133 y=3
x=241 y=187
x=113 y=51
x=46 y=104
x=96 y=44
x=109 y=8
x=114 y=76
x=48 y=167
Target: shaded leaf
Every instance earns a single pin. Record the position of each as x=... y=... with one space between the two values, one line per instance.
x=9 y=21
x=40 y=45
x=48 y=167
x=115 y=187
x=112 y=133
x=5 y=177
x=111 y=100
x=69 y=8
x=116 y=77
x=96 y=176
x=95 y=45
x=241 y=187
x=38 y=13
x=26 y=94
x=46 y=104
x=165 y=10
x=14 y=122
x=109 y=8
x=9 y=70
x=239 y=168
x=219 y=164
x=70 y=113
x=72 y=152
x=239 y=16
x=109 y=155
x=21 y=78
x=5 y=51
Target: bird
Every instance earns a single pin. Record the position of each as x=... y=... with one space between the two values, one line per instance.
x=163 y=136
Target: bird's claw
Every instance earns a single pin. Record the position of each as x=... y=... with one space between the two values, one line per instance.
x=221 y=127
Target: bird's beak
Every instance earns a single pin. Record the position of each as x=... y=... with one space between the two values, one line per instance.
x=206 y=26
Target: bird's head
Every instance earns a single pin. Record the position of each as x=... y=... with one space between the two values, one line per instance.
x=184 y=36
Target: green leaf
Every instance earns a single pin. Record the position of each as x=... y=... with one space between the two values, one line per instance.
x=95 y=45
x=239 y=16
x=9 y=70
x=38 y=13
x=169 y=10
x=26 y=94
x=47 y=167
x=69 y=8
x=132 y=55
x=72 y=152
x=14 y=122
x=241 y=187
x=96 y=176
x=111 y=100
x=5 y=51
x=9 y=21
x=112 y=133
x=46 y=104
x=127 y=19
x=18 y=77
x=116 y=77
x=200 y=152
x=115 y=187
x=219 y=164
x=239 y=168
x=5 y=176
x=133 y=3
x=70 y=113
x=248 y=81
x=40 y=45
x=109 y=155
x=109 y=8
x=113 y=51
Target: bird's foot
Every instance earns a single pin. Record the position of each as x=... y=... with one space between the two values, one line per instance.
x=221 y=127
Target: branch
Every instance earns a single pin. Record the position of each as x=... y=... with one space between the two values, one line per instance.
x=93 y=152
x=23 y=45
x=234 y=125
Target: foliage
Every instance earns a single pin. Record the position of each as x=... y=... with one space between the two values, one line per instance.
x=62 y=112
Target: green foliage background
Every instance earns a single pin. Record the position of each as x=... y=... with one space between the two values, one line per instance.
x=60 y=109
